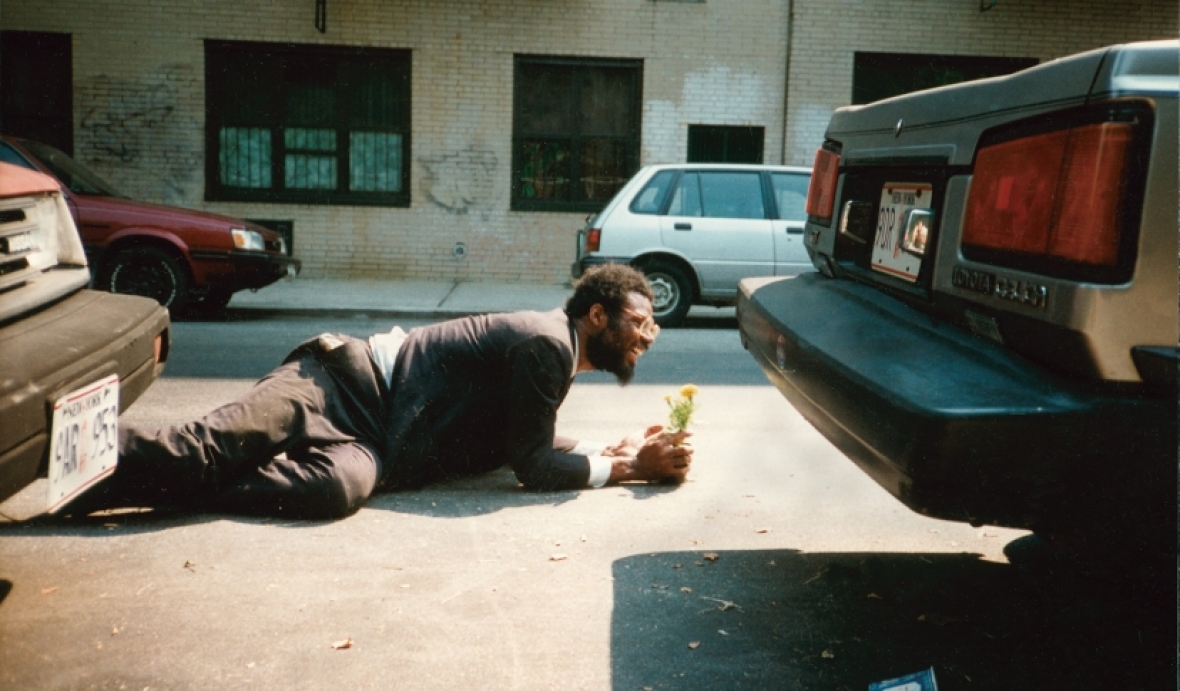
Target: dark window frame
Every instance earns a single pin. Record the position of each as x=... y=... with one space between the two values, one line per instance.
x=270 y=62
x=876 y=76
x=575 y=200
x=37 y=87
x=729 y=136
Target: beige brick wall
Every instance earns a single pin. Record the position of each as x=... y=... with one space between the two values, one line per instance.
x=826 y=33
x=139 y=96
x=139 y=108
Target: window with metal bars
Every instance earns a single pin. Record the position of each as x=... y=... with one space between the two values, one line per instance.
x=575 y=131
x=307 y=124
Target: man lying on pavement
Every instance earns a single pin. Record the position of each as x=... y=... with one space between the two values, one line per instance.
x=342 y=417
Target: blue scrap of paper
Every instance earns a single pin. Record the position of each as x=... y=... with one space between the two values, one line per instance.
x=919 y=681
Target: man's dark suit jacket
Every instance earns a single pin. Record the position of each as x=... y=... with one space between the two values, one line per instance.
x=467 y=396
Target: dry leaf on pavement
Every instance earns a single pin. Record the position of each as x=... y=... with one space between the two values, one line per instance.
x=827 y=654
x=558 y=557
x=342 y=645
x=49 y=591
x=722 y=605
x=710 y=556
x=694 y=645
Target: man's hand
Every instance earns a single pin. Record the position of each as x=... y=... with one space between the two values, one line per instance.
x=650 y=455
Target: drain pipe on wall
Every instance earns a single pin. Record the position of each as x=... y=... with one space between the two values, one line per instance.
x=782 y=154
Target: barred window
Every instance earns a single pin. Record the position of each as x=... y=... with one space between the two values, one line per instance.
x=307 y=124
x=575 y=131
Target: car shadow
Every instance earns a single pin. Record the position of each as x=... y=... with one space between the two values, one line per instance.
x=105 y=523
x=793 y=620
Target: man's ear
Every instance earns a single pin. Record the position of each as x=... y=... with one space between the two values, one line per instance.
x=596 y=318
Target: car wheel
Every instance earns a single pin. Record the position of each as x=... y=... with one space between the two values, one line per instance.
x=671 y=290
x=150 y=272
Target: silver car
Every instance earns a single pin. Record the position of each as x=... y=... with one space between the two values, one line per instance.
x=696 y=230
x=992 y=334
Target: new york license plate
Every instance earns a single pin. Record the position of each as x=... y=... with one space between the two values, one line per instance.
x=83 y=442
x=898 y=201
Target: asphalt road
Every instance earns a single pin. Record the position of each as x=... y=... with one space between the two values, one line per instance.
x=779 y=565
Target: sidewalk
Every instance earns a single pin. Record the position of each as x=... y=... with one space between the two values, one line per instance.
x=410 y=298
x=414 y=298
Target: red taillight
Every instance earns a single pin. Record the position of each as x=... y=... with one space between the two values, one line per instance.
x=593 y=236
x=821 y=193
x=1057 y=194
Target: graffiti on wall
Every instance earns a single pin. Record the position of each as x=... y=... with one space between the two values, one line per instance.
x=132 y=130
x=460 y=182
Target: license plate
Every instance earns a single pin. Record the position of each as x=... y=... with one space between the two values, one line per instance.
x=83 y=442
x=896 y=214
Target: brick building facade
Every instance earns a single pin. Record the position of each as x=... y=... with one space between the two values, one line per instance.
x=141 y=100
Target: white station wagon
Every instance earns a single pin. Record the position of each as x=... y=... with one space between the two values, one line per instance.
x=697 y=229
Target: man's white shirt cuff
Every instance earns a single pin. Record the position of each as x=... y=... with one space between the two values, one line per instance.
x=600 y=466
x=599 y=471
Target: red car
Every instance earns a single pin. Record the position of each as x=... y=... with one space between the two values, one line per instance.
x=181 y=257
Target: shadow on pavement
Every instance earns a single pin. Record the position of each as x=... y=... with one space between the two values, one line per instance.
x=485 y=494
x=791 y=620
x=105 y=523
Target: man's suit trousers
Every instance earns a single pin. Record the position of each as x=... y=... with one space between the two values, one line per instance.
x=298 y=444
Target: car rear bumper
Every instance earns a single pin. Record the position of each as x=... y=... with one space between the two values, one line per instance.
x=952 y=425
x=234 y=271
x=579 y=267
x=79 y=340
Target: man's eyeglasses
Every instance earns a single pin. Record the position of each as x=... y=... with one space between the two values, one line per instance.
x=648 y=327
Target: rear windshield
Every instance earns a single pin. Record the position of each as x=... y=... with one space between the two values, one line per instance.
x=75 y=176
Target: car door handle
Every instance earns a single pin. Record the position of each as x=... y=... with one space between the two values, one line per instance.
x=794 y=231
x=682 y=226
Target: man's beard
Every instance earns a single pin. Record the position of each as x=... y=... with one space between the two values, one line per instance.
x=606 y=352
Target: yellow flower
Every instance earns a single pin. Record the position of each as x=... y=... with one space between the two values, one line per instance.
x=680 y=409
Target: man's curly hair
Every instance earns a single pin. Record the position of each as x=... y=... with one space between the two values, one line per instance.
x=606 y=285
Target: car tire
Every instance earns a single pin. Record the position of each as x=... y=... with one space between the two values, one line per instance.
x=150 y=272
x=672 y=292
